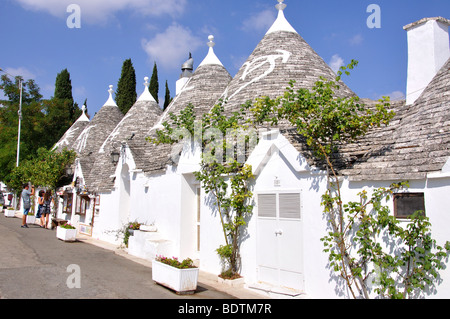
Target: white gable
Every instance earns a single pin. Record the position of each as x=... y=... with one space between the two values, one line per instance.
x=272 y=142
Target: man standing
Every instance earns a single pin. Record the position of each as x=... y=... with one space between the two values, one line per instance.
x=26 y=200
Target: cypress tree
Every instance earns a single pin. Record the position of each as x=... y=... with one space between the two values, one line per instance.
x=63 y=99
x=167 y=98
x=154 y=84
x=126 y=94
x=63 y=86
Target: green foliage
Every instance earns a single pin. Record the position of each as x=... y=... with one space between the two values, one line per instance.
x=44 y=122
x=221 y=174
x=126 y=94
x=174 y=262
x=167 y=98
x=46 y=170
x=63 y=95
x=408 y=258
x=154 y=84
x=67 y=226
x=323 y=118
x=360 y=246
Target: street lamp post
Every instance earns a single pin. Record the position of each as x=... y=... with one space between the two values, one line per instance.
x=20 y=116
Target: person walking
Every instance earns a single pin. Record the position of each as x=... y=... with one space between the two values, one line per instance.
x=46 y=209
x=40 y=206
x=26 y=201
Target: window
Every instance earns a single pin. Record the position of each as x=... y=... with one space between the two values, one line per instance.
x=406 y=204
x=282 y=205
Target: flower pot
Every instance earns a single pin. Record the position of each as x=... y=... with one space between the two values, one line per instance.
x=31 y=219
x=10 y=213
x=64 y=234
x=182 y=281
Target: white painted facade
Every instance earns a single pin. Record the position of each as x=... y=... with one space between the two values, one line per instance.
x=280 y=251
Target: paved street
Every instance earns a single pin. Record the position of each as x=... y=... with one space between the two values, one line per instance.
x=34 y=264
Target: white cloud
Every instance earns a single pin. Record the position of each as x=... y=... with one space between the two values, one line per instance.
x=21 y=71
x=99 y=11
x=171 y=47
x=357 y=39
x=336 y=62
x=261 y=21
x=396 y=95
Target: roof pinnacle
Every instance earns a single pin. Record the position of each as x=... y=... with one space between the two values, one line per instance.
x=211 y=58
x=110 y=101
x=146 y=95
x=281 y=6
x=281 y=24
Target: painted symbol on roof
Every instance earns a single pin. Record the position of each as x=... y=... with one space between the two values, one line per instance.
x=68 y=136
x=83 y=138
x=268 y=61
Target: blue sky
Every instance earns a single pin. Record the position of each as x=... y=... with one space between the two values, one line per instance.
x=36 y=42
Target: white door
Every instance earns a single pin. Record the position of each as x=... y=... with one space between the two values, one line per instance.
x=280 y=240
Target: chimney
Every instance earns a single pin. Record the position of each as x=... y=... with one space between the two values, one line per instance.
x=186 y=73
x=428 y=50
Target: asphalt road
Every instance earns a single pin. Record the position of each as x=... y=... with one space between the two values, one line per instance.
x=34 y=264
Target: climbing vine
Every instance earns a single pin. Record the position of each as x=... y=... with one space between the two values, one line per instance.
x=223 y=173
x=366 y=245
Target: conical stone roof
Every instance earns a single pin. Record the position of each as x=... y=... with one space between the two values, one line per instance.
x=416 y=142
x=132 y=128
x=90 y=140
x=71 y=135
x=202 y=90
x=281 y=56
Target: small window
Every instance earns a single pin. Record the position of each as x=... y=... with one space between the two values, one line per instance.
x=407 y=204
x=267 y=204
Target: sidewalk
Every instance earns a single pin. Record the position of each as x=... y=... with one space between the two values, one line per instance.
x=204 y=277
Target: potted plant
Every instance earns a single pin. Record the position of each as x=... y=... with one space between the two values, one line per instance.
x=129 y=231
x=66 y=232
x=31 y=218
x=10 y=212
x=179 y=276
x=132 y=227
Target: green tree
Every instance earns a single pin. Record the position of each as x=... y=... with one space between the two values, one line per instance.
x=167 y=98
x=222 y=174
x=154 y=84
x=63 y=92
x=31 y=124
x=47 y=169
x=126 y=88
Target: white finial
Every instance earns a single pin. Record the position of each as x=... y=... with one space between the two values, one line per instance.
x=110 y=101
x=211 y=58
x=281 y=6
x=83 y=116
x=281 y=24
x=146 y=95
x=211 y=43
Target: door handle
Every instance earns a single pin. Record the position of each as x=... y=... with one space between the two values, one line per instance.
x=278 y=232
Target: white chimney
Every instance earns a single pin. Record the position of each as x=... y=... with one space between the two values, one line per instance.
x=428 y=50
x=187 y=70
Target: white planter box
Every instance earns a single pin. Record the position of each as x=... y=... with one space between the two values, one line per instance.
x=66 y=234
x=183 y=281
x=31 y=219
x=10 y=213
